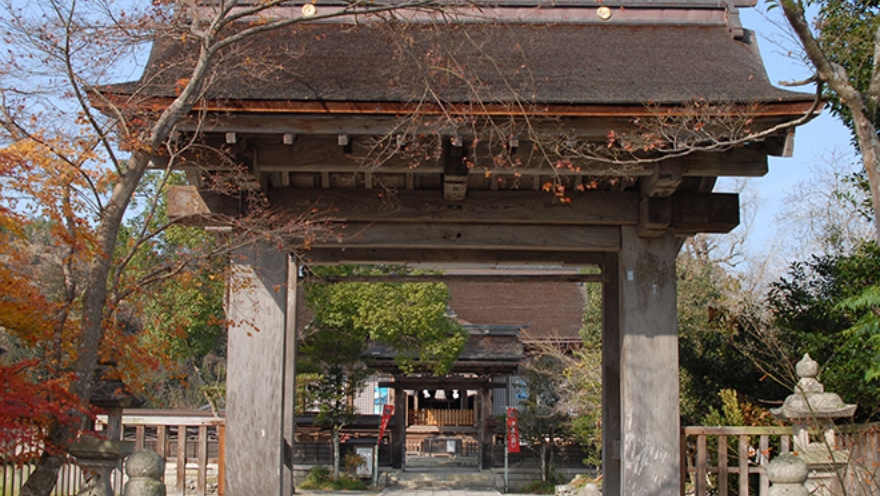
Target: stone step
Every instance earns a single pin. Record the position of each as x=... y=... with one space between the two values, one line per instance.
x=439 y=478
x=443 y=462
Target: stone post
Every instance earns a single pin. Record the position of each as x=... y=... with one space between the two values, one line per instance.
x=787 y=474
x=145 y=470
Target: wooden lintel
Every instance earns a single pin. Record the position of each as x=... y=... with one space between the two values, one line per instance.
x=456 y=278
x=745 y=161
x=437 y=382
x=457 y=236
x=381 y=125
x=189 y=206
x=691 y=212
x=330 y=256
x=508 y=207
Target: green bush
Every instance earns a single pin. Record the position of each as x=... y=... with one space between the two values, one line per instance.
x=348 y=483
x=319 y=477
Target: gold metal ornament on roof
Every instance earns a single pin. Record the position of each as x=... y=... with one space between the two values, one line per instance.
x=603 y=13
x=309 y=10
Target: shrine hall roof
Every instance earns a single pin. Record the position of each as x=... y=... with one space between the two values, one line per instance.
x=566 y=63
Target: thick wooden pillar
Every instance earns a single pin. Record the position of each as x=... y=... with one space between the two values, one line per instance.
x=487 y=451
x=260 y=365
x=398 y=435
x=649 y=399
x=611 y=376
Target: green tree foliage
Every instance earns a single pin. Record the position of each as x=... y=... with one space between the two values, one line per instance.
x=179 y=305
x=823 y=308
x=410 y=317
x=334 y=357
x=847 y=30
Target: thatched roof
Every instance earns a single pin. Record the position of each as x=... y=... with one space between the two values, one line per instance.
x=551 y=63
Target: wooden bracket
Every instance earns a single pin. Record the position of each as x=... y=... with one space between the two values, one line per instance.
x=454 y=188
x=663 y=182
x=455 y=170
x=655 y=216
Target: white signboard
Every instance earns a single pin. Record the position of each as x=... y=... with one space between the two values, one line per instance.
x=365 y=452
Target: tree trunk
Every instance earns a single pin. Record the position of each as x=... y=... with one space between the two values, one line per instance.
x=838 y=81
x=335 y=437
x=42 y=480
x=869 y=146
x=544 y=465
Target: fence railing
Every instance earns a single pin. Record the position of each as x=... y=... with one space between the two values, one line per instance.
x=731 y=460
x=707 y=453
x=442 y=417
x=190 y=443
x=715 y=460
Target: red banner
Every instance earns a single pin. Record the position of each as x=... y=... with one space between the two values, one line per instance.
x=512 y=431
x=387 y=410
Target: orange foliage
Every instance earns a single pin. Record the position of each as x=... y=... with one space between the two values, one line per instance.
x=28 y=407
x=48 y=192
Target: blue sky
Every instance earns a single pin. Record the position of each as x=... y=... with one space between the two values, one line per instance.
x=813 y=141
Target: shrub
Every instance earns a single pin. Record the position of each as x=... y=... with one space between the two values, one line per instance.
x=539 y=487
x=347 y=483
x=318 y=478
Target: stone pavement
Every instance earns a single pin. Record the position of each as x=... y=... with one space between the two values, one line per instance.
x=401 y=491
x=397 y=491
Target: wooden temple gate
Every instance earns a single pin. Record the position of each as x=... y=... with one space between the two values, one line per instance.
x=536 y=90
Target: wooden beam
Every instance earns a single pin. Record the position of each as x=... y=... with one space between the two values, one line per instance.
x=691 y=212
x=746 y=161
x=312 y=154
x=380 y=125
x=190 y=206
x=437 y=382
x=694 y=213
x=456 y=278
x=331 y=256
x=456 y=236
x=508 y=207
x=663 y=182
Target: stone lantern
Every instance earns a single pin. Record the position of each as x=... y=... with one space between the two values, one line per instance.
x=811 y=407
x=99 y=456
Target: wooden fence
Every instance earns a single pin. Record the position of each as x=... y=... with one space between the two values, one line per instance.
x=719 y=461
x=441 y=417
x=726 y=461
x=191 y=444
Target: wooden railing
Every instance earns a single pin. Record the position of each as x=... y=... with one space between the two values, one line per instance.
x=191 y=444
x=707 y=453
x=863 y=443
x=442 y=417
x=731 y=460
